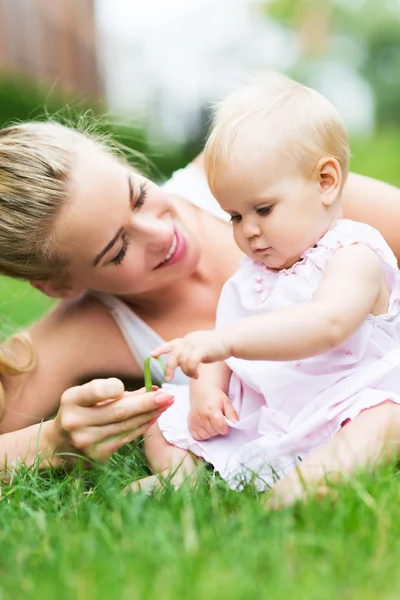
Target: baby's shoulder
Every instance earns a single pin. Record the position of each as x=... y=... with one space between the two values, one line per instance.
x=347 y=233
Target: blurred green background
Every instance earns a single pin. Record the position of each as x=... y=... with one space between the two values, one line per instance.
x=342 y=45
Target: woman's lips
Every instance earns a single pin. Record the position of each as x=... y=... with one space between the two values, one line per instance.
x=178 y=248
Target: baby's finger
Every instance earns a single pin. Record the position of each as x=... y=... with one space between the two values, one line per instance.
x=210 y=427
x=220 y=425
x=162 y=349
x=200 y=434
x=190 y=365
x=172 y=364
x=229 y=412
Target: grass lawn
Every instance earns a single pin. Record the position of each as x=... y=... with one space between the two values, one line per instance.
x=75 y=536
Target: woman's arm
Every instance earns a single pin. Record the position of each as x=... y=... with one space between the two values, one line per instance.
x=375 y=203
x=76 y=340
x=27 y=444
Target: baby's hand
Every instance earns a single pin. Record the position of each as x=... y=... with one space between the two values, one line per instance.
x=188 y=352
x=207 y=415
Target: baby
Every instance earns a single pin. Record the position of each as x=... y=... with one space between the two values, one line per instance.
x=306 y=345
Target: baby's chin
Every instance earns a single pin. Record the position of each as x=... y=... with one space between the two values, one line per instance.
x=278 y=263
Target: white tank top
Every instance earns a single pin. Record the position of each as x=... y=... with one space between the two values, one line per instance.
x=188 y=183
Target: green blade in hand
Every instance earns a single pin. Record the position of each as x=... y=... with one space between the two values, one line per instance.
x=147 y=373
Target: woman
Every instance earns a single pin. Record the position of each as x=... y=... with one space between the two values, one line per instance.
x=74 y=217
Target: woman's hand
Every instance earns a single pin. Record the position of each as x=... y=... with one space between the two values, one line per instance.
x=99 y=417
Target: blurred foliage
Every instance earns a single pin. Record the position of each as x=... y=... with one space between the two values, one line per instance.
x=22 y=101
x=373 y=29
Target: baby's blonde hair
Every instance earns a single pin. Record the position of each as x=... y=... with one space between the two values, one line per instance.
x=295 y=118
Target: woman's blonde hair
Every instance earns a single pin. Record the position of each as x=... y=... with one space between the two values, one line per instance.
x=282 y=113
x=36 y=161
x=10 y=365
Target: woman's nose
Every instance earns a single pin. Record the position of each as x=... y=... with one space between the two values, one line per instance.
x=152 y=229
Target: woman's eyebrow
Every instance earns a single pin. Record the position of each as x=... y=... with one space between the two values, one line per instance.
x=130 y=184
x=108 y=247
x=111 y=243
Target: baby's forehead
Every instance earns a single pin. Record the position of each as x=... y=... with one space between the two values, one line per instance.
x=252 y=148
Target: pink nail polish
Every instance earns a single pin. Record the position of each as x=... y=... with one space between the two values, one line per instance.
x=161 y=398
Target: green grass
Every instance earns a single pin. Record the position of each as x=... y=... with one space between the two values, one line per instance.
x=75 y=536
x=20 y=305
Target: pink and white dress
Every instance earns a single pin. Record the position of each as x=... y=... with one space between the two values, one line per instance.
x=288 y=409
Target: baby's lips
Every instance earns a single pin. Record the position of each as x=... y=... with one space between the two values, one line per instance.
x=163 y=399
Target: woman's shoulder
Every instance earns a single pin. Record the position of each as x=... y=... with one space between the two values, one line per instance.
x=190 y=183
x=83 y=334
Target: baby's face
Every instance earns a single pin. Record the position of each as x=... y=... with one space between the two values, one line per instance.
x=277 y=212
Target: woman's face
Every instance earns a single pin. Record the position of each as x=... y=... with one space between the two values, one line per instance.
x=121 y=233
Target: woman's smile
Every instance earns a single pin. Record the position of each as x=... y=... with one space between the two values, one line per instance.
x=176 y=251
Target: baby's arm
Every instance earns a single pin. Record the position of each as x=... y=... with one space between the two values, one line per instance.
x=210 y=403
x=351 y=286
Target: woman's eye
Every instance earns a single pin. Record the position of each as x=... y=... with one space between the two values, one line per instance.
x=117 y=260
x=264 y=210
x=236 y=218
x=142 y=196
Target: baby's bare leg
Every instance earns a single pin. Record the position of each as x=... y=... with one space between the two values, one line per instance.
x=372 y=437
x=168 y=462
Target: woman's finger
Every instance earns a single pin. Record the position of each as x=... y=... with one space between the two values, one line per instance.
x=93 y=435
x=128 y=407
x=102 y=451
x=94 y=391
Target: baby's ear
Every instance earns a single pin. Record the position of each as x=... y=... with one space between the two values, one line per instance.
x=329 y=176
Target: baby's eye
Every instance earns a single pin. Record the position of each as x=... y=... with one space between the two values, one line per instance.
x=264 y=210
x=236 y=218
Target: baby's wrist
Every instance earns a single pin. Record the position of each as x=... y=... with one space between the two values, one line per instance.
x=198 y=397
x=227 y=340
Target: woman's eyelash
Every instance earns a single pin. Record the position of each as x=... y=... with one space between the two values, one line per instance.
x=117 y=260
x=236 y=218
x=142 y=196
